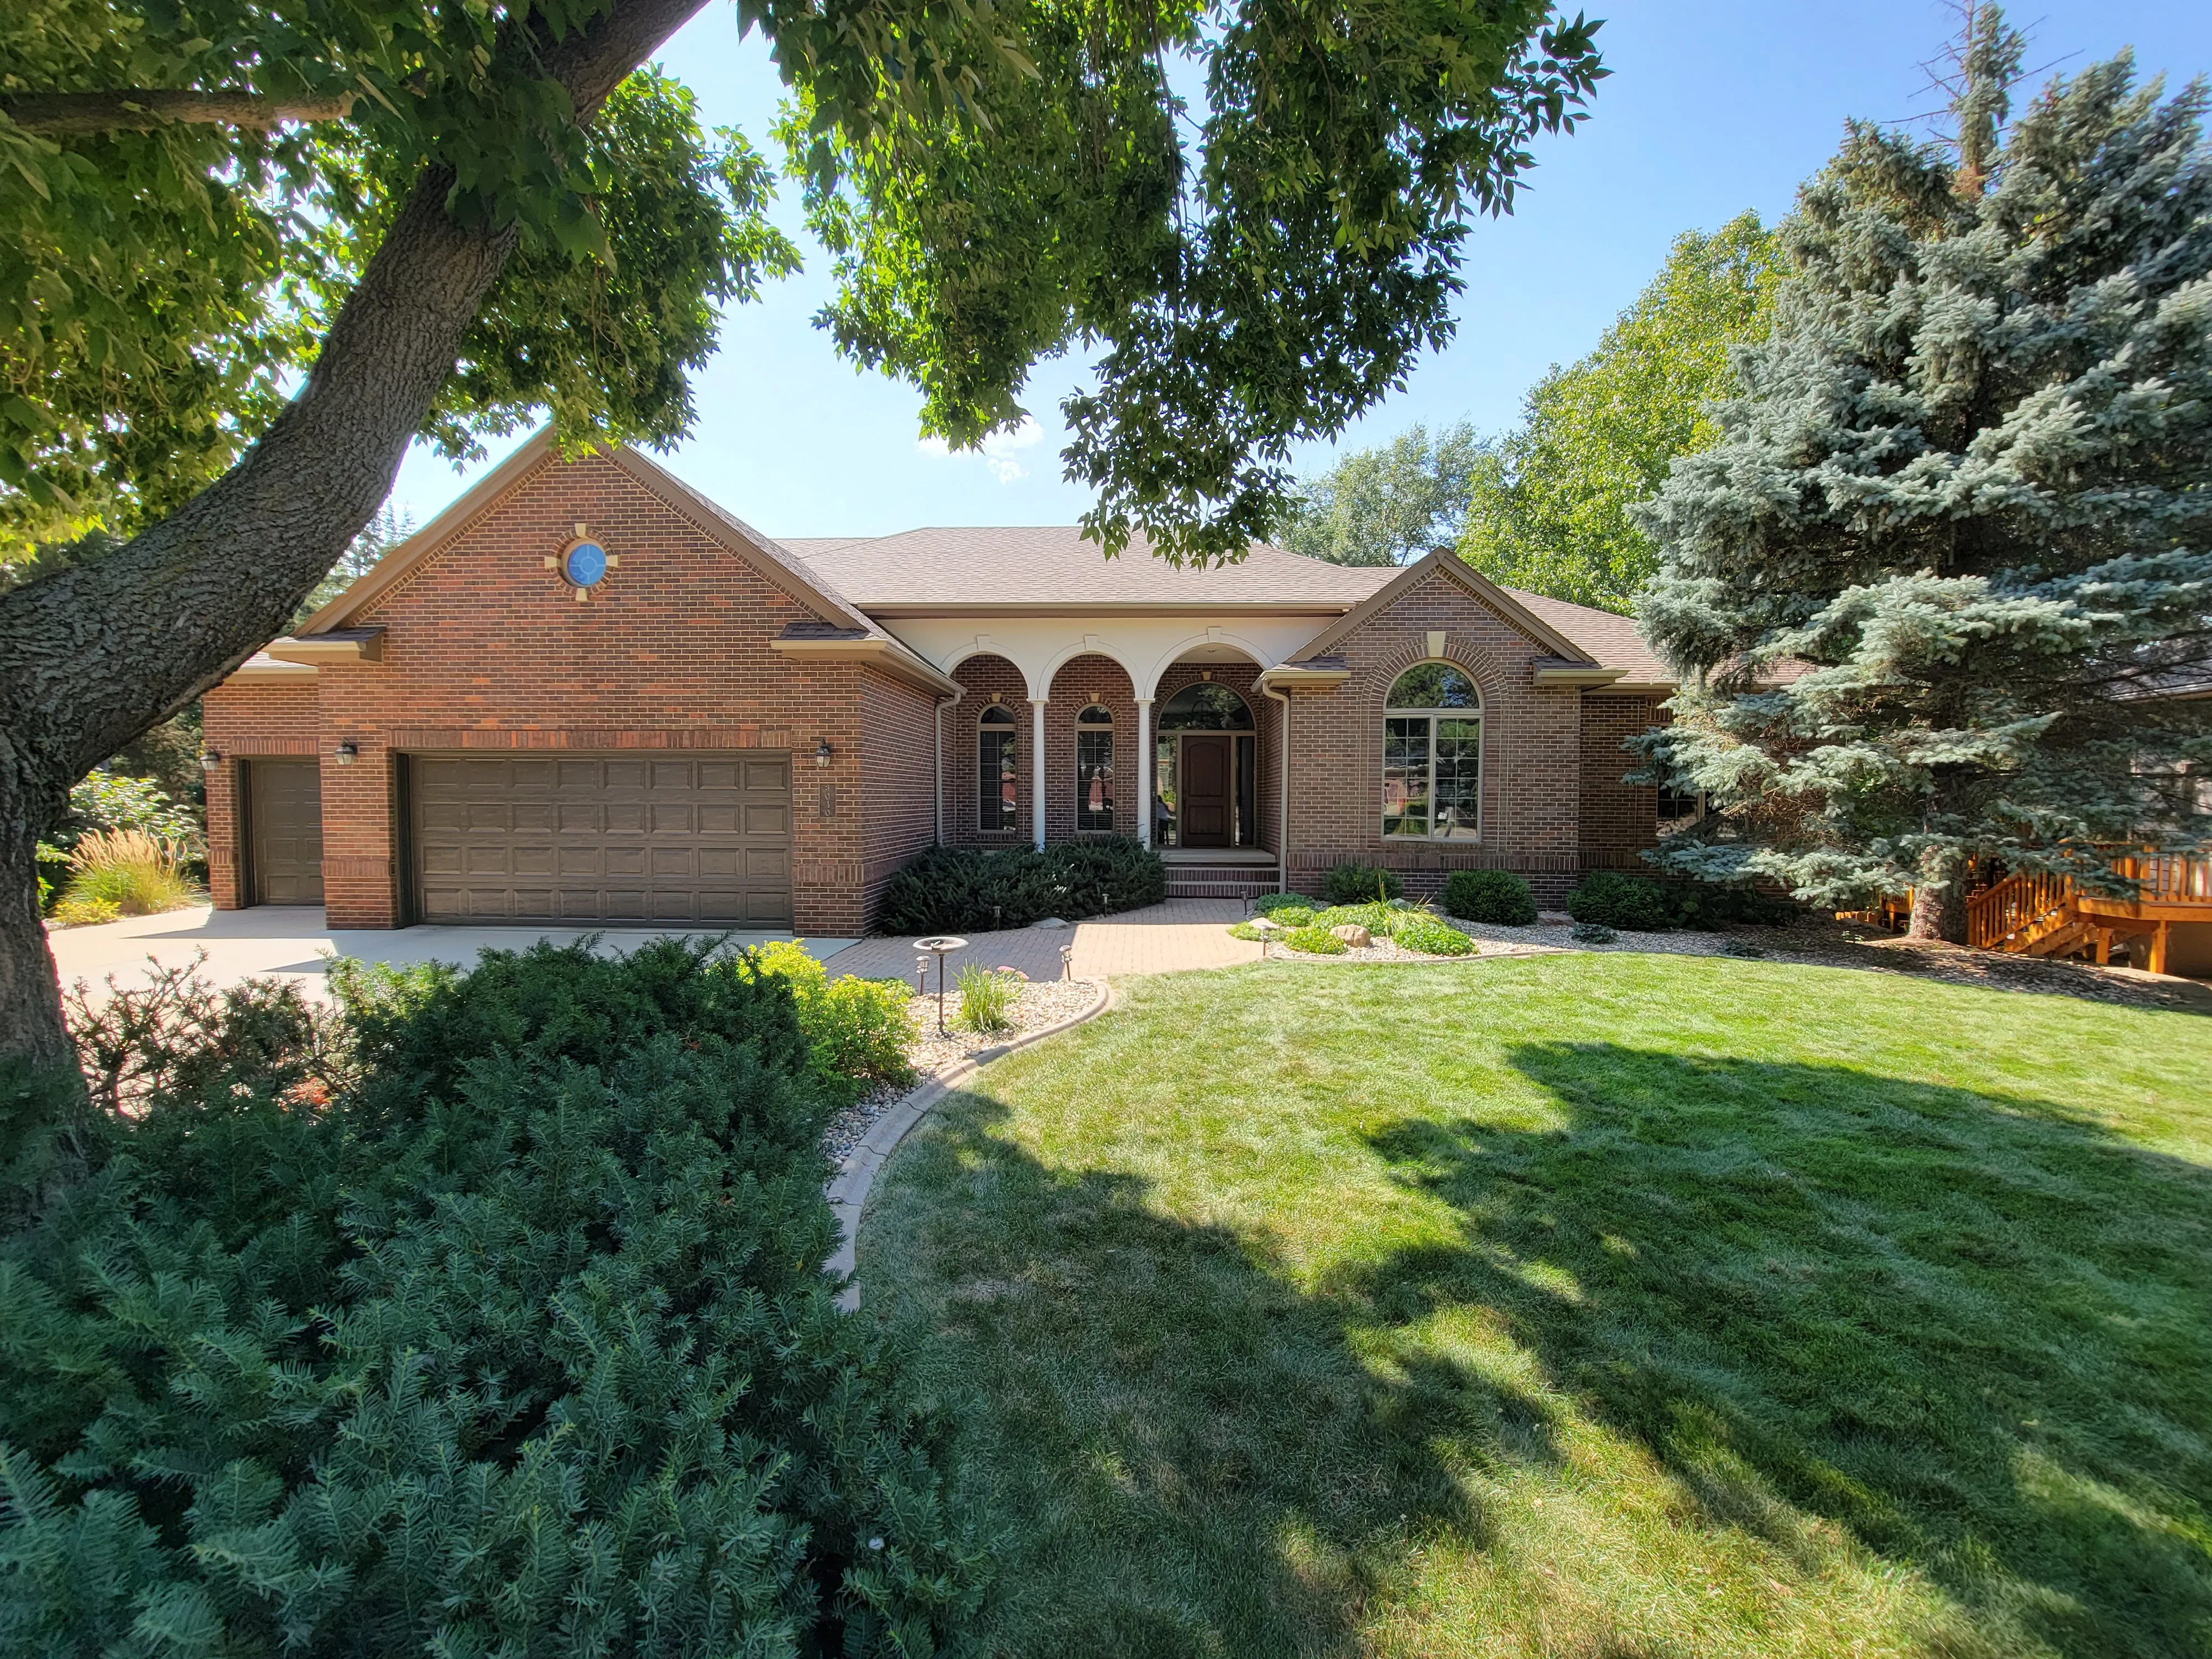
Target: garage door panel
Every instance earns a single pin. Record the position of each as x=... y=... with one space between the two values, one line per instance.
x=284 y=821
x=615 y=838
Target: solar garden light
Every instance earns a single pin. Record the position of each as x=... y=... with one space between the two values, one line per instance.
x=938 y=947
x=1266 y=930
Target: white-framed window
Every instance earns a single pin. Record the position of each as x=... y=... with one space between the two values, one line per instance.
x=1432 y=755
x=1094 y=768
x=998 y=769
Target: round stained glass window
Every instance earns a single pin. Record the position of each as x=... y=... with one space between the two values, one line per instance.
x=586 y=564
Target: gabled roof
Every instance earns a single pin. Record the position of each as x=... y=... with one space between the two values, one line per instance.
x=784 y=569
x=1446 y=562
x=1053 y=568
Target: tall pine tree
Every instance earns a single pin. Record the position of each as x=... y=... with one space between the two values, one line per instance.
x=1934 y=594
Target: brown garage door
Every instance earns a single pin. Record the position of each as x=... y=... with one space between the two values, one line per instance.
x=662 y=838
x=284 y=818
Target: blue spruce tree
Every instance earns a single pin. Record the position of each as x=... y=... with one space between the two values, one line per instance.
x=1943 y=592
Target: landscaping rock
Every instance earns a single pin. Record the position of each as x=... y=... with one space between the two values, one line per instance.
x=1354 y=934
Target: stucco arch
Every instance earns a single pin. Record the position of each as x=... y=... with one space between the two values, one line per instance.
x=1148 y=685
x=1091 y=646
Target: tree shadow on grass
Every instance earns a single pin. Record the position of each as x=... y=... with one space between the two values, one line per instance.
x=1972 y=1331
x=1975 y=1331
x=1188 y=1455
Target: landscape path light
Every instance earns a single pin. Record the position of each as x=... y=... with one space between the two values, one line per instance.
x=939 y=947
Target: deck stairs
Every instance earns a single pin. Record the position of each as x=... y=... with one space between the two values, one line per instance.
x=2041 y=914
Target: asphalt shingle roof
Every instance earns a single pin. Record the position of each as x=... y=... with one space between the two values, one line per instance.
x=1052 y=564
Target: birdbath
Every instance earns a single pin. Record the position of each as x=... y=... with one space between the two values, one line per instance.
x=938 y=948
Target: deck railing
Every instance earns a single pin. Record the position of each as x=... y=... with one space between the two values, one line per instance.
x=2020 y=908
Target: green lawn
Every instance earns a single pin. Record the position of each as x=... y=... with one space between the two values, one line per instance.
x=1603 y=1306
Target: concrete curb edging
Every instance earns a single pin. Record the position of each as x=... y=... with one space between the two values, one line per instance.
x=847 y=1190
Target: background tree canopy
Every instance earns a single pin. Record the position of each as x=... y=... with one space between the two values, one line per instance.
x=1548 y=507
x=1385 y=505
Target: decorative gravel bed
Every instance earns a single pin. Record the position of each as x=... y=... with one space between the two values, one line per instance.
x=1037 y=1005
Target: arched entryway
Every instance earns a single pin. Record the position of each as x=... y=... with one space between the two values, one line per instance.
x=1205 y=769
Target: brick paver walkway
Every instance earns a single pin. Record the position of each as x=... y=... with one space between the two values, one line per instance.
x=1161 y=939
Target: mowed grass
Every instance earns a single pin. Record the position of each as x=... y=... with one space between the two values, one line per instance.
x=1582 y=1305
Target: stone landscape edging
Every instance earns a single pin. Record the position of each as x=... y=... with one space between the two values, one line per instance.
x=848 y=1191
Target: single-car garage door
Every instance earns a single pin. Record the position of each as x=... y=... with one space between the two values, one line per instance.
x=661 y=838
x=284 y=824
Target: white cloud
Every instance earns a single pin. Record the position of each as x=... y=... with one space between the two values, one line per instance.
x=999 y=449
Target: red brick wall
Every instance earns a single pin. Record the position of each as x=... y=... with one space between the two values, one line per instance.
x=1532 y=760
x=486 y=648
x=1618 y=820
x=981 y=676
x=900 y=781
x=1073 y=688
x=242 y=719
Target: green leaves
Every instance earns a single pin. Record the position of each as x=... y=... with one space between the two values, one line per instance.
x=1387 y=505
x=1550 y=500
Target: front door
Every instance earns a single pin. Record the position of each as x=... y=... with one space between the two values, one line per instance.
x=1208 y=780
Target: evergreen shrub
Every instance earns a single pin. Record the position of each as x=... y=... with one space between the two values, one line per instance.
x=1269 y=903
x=1362 y=884
x=1612 y=899
x=966 y=890
x=1495 y=896
x=485 y=1315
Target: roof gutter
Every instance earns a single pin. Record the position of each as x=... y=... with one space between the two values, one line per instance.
x=884 y=653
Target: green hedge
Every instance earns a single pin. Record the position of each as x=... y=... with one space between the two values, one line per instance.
x=1357 y=884
x=953 y=890
x=485 y=1317
x=1496 y=896
x=1614 y=899
x=1610 y=899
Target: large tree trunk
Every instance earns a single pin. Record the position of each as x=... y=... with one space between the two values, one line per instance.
x=93 y=656
x=1939 y=899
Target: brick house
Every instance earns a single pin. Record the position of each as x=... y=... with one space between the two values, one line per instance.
x=587 y=692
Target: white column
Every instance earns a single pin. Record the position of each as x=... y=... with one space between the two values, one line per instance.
x=1037 y=768
x=1144 y=770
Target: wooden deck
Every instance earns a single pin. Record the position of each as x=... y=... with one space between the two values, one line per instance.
x=2047 y=916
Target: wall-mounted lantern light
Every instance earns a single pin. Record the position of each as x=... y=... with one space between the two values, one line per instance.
x=346 y=755
x=209 y=759
x=823 y=752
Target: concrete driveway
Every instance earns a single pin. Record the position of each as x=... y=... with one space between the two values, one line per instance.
x=286 y=942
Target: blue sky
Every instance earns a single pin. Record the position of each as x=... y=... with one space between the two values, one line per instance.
x=1711 y=108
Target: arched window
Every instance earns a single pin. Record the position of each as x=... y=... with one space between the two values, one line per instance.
x=1206 y=707
x=1206 y=771
x=1433 y=754
x=998 y=766
x=1094 y=768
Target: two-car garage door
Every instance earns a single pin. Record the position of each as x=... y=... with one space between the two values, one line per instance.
x=701 y=838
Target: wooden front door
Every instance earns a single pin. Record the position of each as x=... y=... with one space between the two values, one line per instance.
x=1207 y=779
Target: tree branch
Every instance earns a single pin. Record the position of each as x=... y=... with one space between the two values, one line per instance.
x=94 y=654
x=73 y=114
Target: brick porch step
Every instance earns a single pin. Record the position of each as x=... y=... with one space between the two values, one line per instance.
x=1198 y=882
